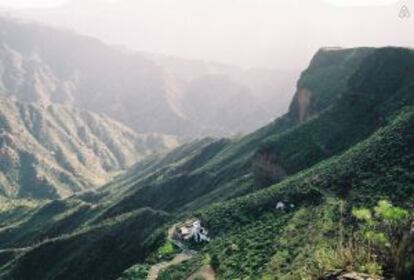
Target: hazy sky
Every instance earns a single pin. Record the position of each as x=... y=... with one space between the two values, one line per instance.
x=264 y=33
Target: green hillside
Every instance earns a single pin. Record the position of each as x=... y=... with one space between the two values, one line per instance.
x=281 y=245
x=225 y=169
x=346 y=142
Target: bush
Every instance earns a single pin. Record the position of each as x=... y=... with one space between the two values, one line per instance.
x=167 y=250
x=378 y=246
x=215 y=262
x=136 y=272
x=383 y=231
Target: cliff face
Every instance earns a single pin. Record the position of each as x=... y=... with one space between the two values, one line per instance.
x=320 y=86
x=325 y=80
x=266 y=169
x=300 y=107
x=51 y=152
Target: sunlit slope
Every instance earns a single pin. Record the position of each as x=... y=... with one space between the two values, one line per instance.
x=54 y=151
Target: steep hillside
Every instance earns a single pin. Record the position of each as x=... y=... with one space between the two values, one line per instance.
x=226 y=169
x=326 y=77
x=254 y=239
x=54 y=151
x=151 y=94
x=353 y=148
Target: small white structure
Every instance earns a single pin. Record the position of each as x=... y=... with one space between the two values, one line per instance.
x=184 y=231
x=193 y=229
x=280 y=206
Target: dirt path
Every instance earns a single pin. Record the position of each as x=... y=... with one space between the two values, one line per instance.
x=206 y=272
x=156 y=269
x=186 y=254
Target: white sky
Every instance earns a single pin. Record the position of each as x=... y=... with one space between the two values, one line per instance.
x=263 y=33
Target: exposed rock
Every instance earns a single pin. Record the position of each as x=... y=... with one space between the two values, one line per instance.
x=300 y=107
x=266 y=170
x=344 y=275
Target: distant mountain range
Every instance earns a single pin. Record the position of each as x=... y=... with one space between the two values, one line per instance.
x=59 y=91
x=149 y=93
x=346 y=142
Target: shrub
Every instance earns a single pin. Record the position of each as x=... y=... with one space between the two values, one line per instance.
x=377 y=247
x=349 y=257
x=215 y=262
x=383 y=231
x=167 y=250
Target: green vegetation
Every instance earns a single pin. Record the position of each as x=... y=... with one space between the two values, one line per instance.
x=182 y=270
x=328 y=74
x=138 y=271
x=373 y=245
x=354 y=150
x=384 y=230
x=167 y=250
x=307 y=244
x=12 y=210
x=104 y=250
x=242 y=252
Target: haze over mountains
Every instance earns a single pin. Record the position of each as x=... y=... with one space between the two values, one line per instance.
x=53 y=148
x=260 y=33
x=346 y=142
x=149 y=93
x=127 y=165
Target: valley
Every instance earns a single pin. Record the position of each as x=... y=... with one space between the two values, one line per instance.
x=149 y=93
x=346 y=142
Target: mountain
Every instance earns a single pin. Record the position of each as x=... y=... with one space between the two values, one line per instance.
x=346 y=142
x=149 y=93
x=53 y=151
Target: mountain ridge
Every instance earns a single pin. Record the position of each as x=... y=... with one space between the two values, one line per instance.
x=351 y=149
x=184 y=98
x=54 y=151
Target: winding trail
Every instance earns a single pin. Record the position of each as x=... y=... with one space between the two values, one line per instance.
x=186 y=254
x=157 y=268
x=205 y=272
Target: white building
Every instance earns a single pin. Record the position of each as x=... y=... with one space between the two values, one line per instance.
x=193 y=229
x=280 y=206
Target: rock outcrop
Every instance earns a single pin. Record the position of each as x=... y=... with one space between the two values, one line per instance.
x=266 y=169
x=300 y=107
x=343 y=275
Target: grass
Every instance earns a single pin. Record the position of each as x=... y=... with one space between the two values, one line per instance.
x=167 y=250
